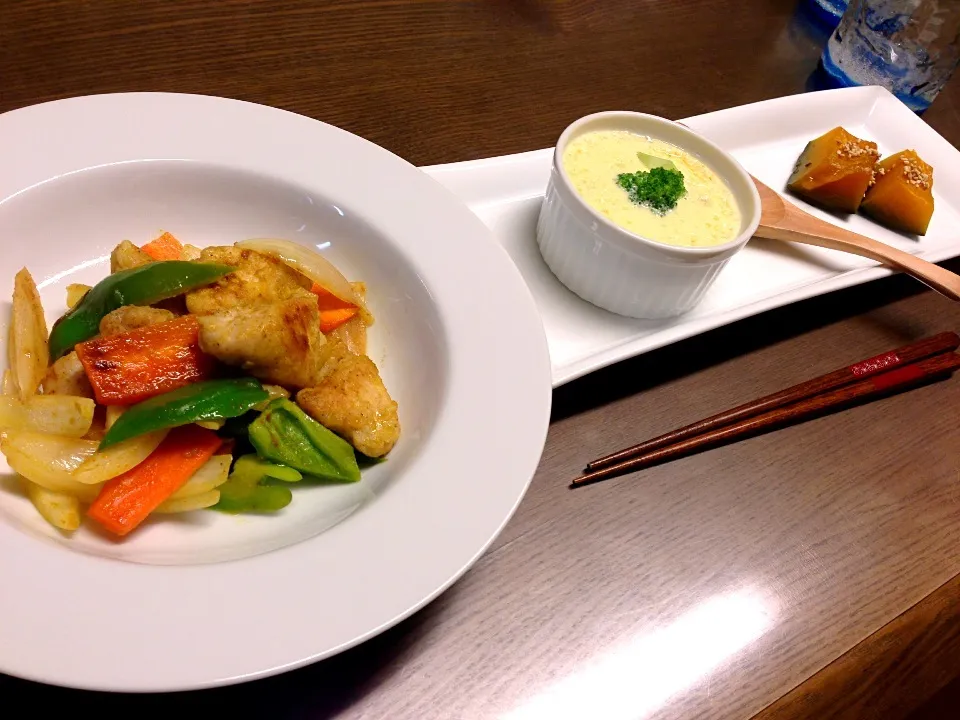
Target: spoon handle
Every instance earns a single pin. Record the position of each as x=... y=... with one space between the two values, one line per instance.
x=795 y=225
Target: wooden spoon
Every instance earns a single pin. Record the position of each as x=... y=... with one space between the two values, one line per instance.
x=782 y=220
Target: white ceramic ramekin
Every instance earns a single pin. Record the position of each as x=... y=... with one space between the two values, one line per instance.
x=616 y=269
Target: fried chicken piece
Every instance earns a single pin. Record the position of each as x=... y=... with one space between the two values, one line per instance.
x=352 y=401
x=131 y=317
x=126 y=255
x=67 y=377
x=279 y=342
x=262 y=318
x=259 y=278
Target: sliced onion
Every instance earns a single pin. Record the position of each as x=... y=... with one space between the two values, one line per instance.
x=59 y=509
x=49 y=460
x=274 y=391
x=59 y=463
x=112 y=414
x=9 y=386
x=190 y=503
x=211 y=475
x=117 y=459
x=28 y=351
x=76 y=293
x=353 y=334
x=314 y=266
x=50 y=414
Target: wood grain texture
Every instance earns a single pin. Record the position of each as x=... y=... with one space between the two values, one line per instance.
x=435 y=80
x=798 y=545
x=919 y=649
x=942 y=705
x=897 y=357
x=932 y=369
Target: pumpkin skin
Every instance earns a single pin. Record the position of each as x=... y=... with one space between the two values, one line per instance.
x=835 y=170
x=902 y=194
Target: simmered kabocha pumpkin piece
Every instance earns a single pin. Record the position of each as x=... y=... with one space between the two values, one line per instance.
x=902 y=194
x=835 y=170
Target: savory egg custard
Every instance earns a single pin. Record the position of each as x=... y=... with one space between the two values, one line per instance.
x=652 y=188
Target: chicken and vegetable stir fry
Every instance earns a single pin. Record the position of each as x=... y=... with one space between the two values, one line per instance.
x=191 y=379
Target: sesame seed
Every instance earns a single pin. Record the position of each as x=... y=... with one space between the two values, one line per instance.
x=853 y=149
x=915 y=174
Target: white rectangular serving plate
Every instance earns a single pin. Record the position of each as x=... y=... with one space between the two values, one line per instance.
x=766 y=138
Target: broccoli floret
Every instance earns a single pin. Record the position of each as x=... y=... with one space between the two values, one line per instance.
x=659 y=189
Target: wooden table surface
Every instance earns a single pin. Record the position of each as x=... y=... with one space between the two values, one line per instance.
x=812 y=572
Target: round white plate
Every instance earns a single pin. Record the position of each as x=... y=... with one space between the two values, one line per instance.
x=208 y=599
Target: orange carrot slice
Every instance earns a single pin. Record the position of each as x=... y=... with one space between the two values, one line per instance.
x=330 y=320
x=165 y=247
x=334 y=312
x=126 y=500
x=133 y=366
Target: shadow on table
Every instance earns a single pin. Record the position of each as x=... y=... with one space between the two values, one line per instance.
x=745 y=336
x=321 y=690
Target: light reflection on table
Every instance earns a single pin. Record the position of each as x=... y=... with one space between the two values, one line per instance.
x=639 y=676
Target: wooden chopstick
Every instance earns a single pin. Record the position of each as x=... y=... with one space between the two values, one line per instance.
x=933 y=345
x=882 y=384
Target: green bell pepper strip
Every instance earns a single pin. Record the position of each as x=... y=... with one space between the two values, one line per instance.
x=246 y=491
x=286 y=434
x=143 y=285
x=206 y=400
